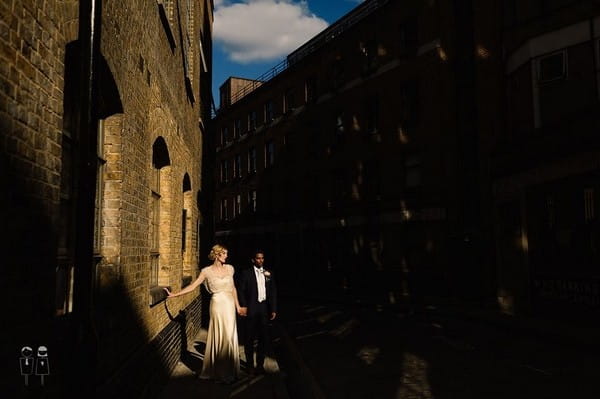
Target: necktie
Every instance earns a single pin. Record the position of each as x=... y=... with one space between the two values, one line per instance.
x=260 y=279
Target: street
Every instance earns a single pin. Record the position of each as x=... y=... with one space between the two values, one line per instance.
x=358 y=352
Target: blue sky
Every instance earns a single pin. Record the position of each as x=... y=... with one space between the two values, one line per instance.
x=251 y=36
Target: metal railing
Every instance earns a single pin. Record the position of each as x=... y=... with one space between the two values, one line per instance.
x=339 y=27
x=265 y=77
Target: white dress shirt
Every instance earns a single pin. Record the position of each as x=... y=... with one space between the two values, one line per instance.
x=260 y=282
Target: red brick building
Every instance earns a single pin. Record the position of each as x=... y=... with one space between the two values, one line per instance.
x=356 y=167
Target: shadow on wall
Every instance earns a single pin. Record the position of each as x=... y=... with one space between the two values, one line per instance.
x=129 y=367
x=28 y=248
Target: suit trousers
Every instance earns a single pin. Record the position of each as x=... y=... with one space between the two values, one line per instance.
x=257 y=329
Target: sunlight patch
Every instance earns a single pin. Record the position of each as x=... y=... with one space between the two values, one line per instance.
x=368 y=354
x=414 y=380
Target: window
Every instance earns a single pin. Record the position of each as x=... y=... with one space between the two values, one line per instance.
x=288 y=101
x=183 y=228
x=224 y=210
x=99 y=188
x=412 y=166
x=252 y=200
x=155 y=227
x=369 y=54
x=339 y=129
x=237 y=166
x=224 y=171
x=224 y=136
x=252 y=120
x=237 y=128
x=269 y=153
x=269 y=115
x=187 y=233
x=159 y=214
x=238 y=204
x=188 y=36
x=588 y=200
x=552 y=67
x=310 y=91
x=201 y=46
x=252 y=160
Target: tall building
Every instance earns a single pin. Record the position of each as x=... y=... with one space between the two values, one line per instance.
x=103 y=106
x=545 y=159
x=356 y=164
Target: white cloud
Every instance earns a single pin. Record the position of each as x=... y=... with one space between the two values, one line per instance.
x=263 y=30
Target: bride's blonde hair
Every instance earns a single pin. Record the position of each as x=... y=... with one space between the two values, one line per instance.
x=216 y=251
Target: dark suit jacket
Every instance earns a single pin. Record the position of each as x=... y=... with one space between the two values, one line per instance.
x=248 y=292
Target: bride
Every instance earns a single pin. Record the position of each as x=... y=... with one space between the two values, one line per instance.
x=221 y=359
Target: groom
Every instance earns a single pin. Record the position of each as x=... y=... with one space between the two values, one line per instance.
x=257 y=295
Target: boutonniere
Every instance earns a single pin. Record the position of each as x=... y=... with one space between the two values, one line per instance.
x=267 y=275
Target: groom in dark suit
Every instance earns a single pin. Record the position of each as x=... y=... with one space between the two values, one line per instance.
x=257 y=295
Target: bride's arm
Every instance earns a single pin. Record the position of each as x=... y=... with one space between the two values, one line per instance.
x=235 y=298
x=189 y=288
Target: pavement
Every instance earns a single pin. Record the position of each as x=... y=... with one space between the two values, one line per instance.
x=302 y=363
x=365 y=351
x=553 y=329
x=184 y=382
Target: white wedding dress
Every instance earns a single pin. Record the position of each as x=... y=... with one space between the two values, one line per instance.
x=222 y=357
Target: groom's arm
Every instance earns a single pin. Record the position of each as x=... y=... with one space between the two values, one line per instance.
x=273 y=296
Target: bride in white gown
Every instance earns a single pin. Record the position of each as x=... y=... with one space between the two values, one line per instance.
x=221 y=358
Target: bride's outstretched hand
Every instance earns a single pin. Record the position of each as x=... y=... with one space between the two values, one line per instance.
x=169 y=294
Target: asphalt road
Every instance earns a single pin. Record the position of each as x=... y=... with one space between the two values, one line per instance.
x=359 y=352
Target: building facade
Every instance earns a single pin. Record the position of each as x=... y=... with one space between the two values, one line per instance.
x=438 y=148
x=545 y=159
x=356 y=166
x=134 y=154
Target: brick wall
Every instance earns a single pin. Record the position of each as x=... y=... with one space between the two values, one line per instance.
x=32 y=48
x=150 y=100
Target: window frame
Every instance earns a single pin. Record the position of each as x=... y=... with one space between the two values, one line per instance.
x=565 y=67
x=237 y=166
x=269 y=111
x=269 y=153
x=252 y=121
x=252 y=160
x=224 y=171
x=98 y=206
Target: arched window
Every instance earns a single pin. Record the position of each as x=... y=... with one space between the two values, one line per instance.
x=160 y=159
x=186 y=231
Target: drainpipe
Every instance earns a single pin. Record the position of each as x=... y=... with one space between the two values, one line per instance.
x=85 y=340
